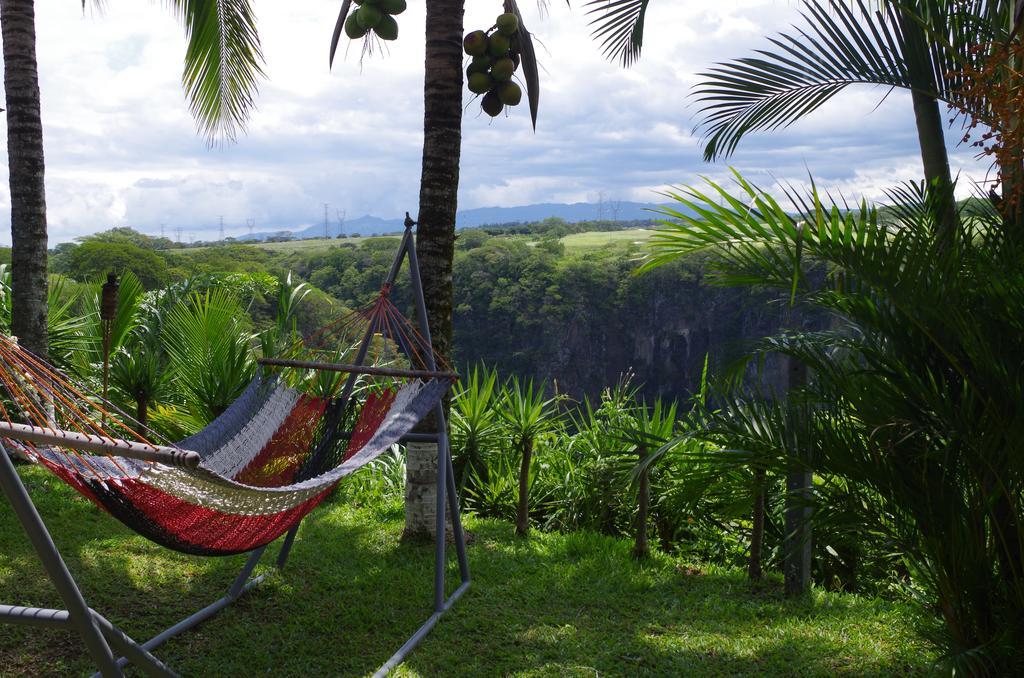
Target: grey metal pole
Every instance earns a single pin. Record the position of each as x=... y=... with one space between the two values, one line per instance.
x=80 y=614
x=439 y=535
x=453 y=506
x=442 y=465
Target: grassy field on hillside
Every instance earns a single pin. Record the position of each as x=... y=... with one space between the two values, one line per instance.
x=548 y=605
x=288 y=246
x=600 y=239
x=577 y=241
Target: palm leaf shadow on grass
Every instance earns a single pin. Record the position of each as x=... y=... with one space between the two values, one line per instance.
x=351 y=594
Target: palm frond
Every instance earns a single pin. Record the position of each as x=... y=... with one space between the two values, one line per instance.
x=909 y=45
x=339 y=26
x=223 y=64
x=528 y=60
x=619 y=27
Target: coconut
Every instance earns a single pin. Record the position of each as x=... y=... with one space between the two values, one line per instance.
x=507 y=24
x=392 y=6
x=352 y=27
x=475 y=67
x=369 y=16
x=509 y=93
x=502 y=69
x=491 y=104
x=475 y=43
x=497 y=45
x=387 y=29
x=479 y=83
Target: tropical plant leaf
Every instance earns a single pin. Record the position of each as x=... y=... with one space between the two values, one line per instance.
x=619 y=27
x=339 y=26
x=528 y=60
x=913 y=45
x=223 y=64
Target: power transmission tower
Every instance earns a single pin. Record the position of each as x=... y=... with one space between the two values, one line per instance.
x=222 y=228
x=341 y=222
x=250 y=223
x=178 y=232
x=327 y=233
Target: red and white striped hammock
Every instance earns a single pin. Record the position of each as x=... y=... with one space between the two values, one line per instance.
x=246 y=478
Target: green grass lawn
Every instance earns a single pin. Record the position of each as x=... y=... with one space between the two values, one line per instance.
x=550 y=605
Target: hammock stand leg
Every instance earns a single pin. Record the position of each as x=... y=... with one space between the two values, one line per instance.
x=446 y=494
x=78 y=615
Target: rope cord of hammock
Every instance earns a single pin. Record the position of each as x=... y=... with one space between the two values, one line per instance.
x=41 y=393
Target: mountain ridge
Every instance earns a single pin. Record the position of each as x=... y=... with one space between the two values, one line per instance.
x=619 y=210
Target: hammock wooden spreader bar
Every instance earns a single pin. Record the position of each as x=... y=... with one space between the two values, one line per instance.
x=101 y=444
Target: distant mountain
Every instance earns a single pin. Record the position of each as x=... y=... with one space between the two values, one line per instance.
x=481 y=216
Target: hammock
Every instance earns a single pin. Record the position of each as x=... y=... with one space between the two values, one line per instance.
x=248 y=477
x=254 y=472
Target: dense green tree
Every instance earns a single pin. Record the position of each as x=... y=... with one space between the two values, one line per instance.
x=93 y=259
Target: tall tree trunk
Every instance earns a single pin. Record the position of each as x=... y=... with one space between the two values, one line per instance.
x=435 y=234
x=523 y=510
x=796 y=552
x=25 y=159
x=641 y=549
x=928 y=118
x=757 y=529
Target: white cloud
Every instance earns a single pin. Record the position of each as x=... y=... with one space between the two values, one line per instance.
x=121 y=147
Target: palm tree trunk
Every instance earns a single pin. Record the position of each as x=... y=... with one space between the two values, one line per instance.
x=435 y=234
x=142 y=411
x=25 y=159
x=928 y=118
x=523 y=512
x=439 y=179
x=757 y=530
x=641 y=549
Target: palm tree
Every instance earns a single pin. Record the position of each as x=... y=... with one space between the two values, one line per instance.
x=438 y=201
x=474 y=423
x=919 y=46
x=210 y=353
x=916 y=395
x=25 y=160
x=527 y=414
x=222 y=69
x=654 y=426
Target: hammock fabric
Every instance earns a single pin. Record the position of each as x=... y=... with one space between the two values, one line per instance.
x=271 y=457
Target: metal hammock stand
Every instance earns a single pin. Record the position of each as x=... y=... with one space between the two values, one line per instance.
x=109 y=647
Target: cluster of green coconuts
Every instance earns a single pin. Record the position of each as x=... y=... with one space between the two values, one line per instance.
x=495 y=56
x=374 y=15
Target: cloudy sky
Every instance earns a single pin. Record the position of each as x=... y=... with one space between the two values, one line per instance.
x=121 y=148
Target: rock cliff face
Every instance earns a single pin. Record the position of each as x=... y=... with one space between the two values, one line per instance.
x=594 y=327
x=661 y=334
